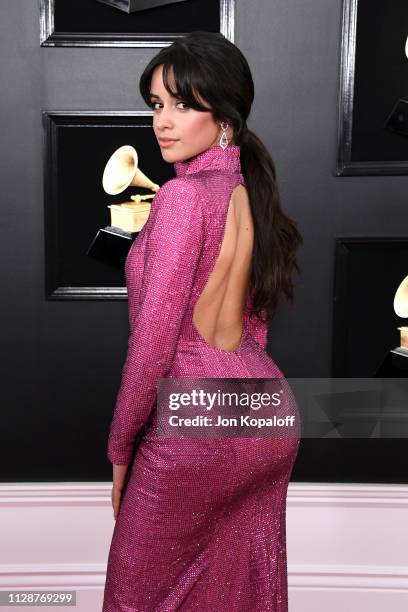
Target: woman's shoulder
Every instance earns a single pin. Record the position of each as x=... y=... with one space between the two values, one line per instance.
x=178 y=204
x=178 y=192
x=185 y=183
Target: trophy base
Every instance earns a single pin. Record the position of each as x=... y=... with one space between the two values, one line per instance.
x=130 y=6
x=395 y=365
x=111 y=246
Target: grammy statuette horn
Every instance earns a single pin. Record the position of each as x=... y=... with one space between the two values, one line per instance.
x=122 y=172
x=401 y=299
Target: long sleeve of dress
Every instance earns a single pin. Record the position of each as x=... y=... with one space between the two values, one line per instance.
x=172 y=252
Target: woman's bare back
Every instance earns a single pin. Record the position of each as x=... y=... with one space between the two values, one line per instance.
x=218 y=312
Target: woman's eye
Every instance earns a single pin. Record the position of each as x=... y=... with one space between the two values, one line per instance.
x=155 y=107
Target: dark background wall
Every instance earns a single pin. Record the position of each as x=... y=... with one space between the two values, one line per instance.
x=62 y=360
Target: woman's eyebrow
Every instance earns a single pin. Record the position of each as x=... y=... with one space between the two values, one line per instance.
x=153 y=95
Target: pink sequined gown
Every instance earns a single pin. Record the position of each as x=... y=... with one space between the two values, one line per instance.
x=201 y=525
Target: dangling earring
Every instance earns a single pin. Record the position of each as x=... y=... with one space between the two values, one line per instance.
x=224 y=140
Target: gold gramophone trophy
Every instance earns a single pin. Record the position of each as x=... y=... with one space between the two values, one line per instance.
x=111 y=244
x=396 y=362
x=401 y=309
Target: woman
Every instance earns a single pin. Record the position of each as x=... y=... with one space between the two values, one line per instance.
x=200 y=523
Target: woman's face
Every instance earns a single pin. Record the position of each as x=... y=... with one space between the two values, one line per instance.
x=190 y=131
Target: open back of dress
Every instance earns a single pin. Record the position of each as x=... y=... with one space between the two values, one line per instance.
x=218 y=312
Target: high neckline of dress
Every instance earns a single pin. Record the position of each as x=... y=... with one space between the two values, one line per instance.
x=213 y=158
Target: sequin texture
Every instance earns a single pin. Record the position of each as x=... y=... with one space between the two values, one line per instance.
x=201 y=525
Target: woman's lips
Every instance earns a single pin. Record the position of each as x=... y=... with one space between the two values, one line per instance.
x=166 y=142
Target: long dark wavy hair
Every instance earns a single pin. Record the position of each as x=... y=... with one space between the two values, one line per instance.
x=212 y=66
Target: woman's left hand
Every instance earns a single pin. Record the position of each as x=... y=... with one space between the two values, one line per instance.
x=119 y=475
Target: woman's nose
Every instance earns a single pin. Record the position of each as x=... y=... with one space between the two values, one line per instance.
x=164 y=119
